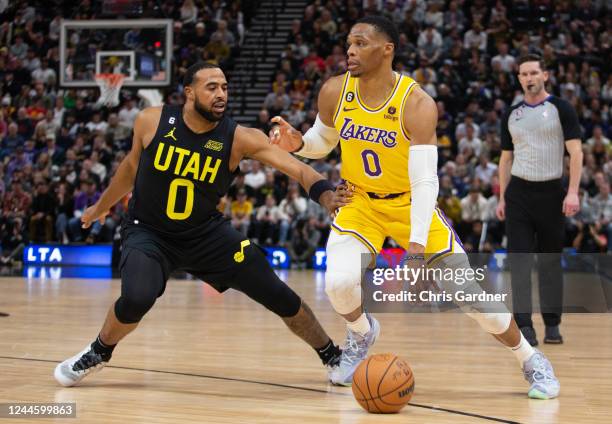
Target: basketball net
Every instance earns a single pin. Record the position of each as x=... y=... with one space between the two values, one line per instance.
x=110 y=85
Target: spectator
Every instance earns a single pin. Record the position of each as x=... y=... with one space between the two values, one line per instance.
x=293 y=205
x=470 y=141
x=277 y=101
x=507 y=62
x=240 y=184
x=327 y=24
x=116 y=130
x=263 y=121
x=97 y=124
x=602 y=212
x=58 y=112
x=127 y=114
x=200 y=38
x=96 y=167
x=296 y=115
x=48 y=125
x=598 y=136
x=87 y=196
x=17 y=162
x=270 y=187
x=256 y=177
x=473 y=207
x=475 y=38
x=269 y=222
x=11 y=141
x=485 y=169
x=189 y=12
x=492 y=124
x=217 y=51
x=223 y=34
x=43 y=210
x=393 y=12
x=13 y=242
x=20 y=49
x=454 y=17
x=16 y=202
x=241 y=210
x=44 y=74
x=430 y=45
x=64 y=208
x=468 y=121
x=304 y=241
x=589 y=238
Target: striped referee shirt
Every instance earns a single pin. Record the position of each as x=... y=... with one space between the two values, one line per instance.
x=537 y=135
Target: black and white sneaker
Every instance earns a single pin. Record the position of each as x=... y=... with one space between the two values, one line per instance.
x=74 y=369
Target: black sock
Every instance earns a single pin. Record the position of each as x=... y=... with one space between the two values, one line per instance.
x=329 y=354
x=101 y=349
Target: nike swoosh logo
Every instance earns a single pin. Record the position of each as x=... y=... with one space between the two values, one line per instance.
x=348 y=110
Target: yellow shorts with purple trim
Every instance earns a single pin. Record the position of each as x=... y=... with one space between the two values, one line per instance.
x=372 y=220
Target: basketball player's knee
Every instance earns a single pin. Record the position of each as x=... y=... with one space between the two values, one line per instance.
x=493 y=323
x=131 y=309
x=343 y=290
x=139 y=289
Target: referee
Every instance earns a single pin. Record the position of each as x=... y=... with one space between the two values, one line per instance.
x=532 y=199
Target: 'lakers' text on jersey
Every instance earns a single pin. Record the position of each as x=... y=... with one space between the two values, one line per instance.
x=182 y=174
x=374 y=141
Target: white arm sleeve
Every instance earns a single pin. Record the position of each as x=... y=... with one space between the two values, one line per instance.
x=319 y=140
x=422 y=170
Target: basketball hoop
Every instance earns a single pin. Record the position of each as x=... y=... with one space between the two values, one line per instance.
x=110 y=85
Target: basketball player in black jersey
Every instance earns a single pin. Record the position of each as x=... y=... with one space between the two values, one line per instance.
x=182 y=161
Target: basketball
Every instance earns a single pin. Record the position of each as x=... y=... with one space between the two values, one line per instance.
x=383 y=383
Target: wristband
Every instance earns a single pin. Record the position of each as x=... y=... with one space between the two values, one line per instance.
x=318 y=188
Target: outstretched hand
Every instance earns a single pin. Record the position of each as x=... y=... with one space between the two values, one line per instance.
x=285 y=136
x=91 y=215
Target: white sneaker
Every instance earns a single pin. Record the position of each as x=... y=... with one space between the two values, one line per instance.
x=74 y=369
x=354 y=351
x=538 y=371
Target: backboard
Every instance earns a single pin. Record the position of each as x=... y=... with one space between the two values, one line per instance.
x=140 y=49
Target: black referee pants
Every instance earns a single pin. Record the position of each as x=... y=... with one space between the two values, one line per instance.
x=535 y=223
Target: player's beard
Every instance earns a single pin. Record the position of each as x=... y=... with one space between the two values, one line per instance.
x=205 y=113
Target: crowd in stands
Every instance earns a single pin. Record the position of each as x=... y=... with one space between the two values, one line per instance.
x=58 y=152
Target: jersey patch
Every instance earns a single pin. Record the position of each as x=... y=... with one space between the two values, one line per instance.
x=213 y=145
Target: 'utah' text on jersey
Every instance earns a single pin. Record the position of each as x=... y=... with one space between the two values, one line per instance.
x=182 y=174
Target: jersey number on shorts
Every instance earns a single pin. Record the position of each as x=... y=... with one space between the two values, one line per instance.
x=172 y=194
x=371 y=163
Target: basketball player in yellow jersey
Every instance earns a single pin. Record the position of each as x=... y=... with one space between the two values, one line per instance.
x=386 y=125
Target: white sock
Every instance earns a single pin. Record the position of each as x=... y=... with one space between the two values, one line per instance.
x=523 y=350
x=361 y=325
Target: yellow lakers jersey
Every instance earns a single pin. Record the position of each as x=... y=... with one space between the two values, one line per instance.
x=373 y=139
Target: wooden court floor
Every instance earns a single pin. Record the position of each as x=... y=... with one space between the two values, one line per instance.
x=201 y=357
